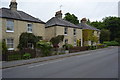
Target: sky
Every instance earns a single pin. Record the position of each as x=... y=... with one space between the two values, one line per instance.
x=45 y=9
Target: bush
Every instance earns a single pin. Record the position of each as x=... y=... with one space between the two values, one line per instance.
x=12 y=57
x=4 y=47
x=45 y=47
x=26 y=56
x=92 y=47
x=101 y=46
x=111 y=43
x=56 y=40
x=67 y=46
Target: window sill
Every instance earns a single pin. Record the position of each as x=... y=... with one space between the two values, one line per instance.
x=9 y=31
x=29 y=32
x=75 y=35
x=65 y=34
x=10 y=48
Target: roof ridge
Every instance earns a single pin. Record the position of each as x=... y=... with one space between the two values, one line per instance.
x=19 y=15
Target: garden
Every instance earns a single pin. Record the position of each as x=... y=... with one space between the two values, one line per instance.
x=44 y=48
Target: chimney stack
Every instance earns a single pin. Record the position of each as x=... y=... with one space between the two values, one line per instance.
x=84 y=20
x=58 y=14
x=13 y=5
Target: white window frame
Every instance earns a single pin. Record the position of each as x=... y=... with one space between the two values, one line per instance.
x=29 y=28
x=74 y=32
x=10 y=24
x=11 y=43
x=65 y=31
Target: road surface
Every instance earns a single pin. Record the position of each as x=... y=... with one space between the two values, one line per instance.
x=97 y=64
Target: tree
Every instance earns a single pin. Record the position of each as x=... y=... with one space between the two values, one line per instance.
x=56 y=40
x=112 y=24
x=98 y=25
x=71 y=18
x=105 y=35
x=26 y=38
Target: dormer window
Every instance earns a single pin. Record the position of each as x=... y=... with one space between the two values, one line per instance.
x=29 y=28
x=9 y=26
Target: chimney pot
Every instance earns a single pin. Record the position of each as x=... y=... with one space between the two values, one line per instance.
x=58 y=14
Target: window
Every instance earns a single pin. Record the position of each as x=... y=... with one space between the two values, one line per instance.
x=75 y=42
x=98 y=33
x=30 y=45
x=92 y=32
x=29 y=28
x=66 y=41
x=74 y=32
x=10 y=26
x=65 y=30
x=10 y=44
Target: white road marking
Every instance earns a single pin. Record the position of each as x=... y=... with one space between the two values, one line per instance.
x=45 y=63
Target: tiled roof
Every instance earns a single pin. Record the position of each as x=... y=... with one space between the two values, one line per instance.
x=86 y=26
x=60 y=22
x=18 y=15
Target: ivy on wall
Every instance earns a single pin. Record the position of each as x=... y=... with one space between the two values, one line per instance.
x=88 y=35
x=26 y=38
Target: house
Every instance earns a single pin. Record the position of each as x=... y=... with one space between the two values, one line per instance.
x=91 y=34
x=15 y=22
x=57 y=26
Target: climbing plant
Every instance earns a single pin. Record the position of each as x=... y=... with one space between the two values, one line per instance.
x=26 y=38
x=56 y=40
x=88 y=35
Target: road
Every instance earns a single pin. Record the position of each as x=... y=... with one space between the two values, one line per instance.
x=97 y=64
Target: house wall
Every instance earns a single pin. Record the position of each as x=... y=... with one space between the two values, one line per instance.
x=59 y=30
x=49 y=33
x=20 y=27
x=87 y=34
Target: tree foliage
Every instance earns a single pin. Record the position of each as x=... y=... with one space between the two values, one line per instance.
x=71 y=18
x=105 y=35
x=45 y=47
x=4 y=47
x=111 y=24
x=56 y=40
x=26 y=38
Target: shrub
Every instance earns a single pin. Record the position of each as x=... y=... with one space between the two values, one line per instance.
x=45 y=47
x=56 y=40
x=16 y=56
x=92 y=47
x=101 y=46
x=4 y=47
x=111 y=43
x=26 y=38
x=26 y=56
x=67 y=46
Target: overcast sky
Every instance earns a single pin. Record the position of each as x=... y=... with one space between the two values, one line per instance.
x=45 y=9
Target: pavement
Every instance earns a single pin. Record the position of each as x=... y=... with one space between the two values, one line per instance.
x=101 y=63
x=9 y=64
